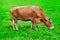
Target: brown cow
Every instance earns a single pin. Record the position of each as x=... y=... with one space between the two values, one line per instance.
x=32 y=13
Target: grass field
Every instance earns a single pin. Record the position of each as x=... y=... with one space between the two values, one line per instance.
x=52 y=10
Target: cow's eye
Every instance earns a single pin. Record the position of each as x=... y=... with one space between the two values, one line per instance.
x=45 y=20
x=37 y=16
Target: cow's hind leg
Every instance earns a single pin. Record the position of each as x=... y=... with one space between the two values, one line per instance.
x=15 y=24
x=12 y=23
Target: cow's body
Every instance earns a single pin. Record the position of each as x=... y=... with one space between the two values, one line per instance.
x=26 y=13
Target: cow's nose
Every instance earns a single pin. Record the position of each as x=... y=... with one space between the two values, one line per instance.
x=52 y=27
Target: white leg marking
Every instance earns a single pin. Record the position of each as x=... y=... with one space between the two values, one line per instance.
x=16 y=26
x=13 y=24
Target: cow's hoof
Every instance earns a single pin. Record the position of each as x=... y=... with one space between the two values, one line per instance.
x=17 y=29
x=31 y=28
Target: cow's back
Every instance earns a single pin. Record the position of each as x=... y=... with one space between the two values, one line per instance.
x=24 y=12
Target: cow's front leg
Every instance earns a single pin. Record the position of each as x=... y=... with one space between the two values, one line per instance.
x=35 y=23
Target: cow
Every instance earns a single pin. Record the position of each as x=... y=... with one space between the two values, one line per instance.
x=34 y=14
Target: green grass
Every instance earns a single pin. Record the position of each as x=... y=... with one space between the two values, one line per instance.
x=51 y=9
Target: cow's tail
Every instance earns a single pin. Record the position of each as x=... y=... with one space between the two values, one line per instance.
x=11 y=17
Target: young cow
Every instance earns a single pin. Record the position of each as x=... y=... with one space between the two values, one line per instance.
x=32 y=13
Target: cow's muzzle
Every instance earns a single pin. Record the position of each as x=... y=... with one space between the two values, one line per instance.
x=52 y=27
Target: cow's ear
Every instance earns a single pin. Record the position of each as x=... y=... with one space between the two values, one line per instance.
x=49 y=19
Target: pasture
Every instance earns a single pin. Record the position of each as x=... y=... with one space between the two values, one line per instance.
x=51 y=9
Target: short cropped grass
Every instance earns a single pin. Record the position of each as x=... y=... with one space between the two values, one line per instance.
x=51 y=9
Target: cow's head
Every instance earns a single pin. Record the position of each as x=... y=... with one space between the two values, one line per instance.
x=48 y=23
